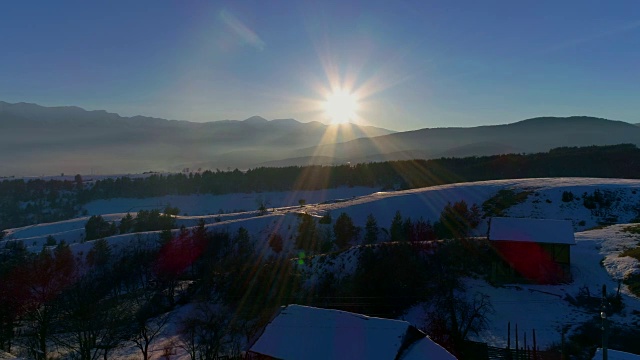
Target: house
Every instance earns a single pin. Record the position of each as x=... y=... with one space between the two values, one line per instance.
x=531 y=250
x=303 y=332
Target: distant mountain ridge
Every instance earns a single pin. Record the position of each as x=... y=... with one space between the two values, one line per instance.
x=527 y=136
x=37 y=140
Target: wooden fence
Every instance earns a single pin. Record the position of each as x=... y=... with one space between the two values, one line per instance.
x=512 y=354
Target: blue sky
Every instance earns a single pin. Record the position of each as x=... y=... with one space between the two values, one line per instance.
x=415 y=64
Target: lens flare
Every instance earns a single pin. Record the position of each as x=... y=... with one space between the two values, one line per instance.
x=341 y=107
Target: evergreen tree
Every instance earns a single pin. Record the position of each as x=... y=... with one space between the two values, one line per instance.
x=423 y=230
x=371 y=230
x=99 y=254
x=51 y=241
x=344 y=230
x=307 y=237
x=97 y=227
x=396 y=230
x=326 y=218
x=126 y=224
x=407 y=230
x=457 y=220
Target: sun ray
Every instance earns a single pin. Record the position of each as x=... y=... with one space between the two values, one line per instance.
x=341 y=107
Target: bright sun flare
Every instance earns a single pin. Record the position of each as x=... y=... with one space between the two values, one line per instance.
x=341 y=107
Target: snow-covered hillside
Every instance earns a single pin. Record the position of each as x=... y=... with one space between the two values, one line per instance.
x=595 y=259
x=546 y=308
x=544 y=201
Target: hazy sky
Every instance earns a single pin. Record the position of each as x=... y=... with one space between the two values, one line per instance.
x=415 y=64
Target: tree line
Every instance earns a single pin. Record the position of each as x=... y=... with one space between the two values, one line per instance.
x=24 y=202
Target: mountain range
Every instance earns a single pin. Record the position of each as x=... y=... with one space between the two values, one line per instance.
x=526 y=136
x=37 y=140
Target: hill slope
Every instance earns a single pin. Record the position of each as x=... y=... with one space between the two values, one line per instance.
x=595 y=261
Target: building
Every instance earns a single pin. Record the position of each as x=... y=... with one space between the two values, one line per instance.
x=531 y=250
x=303 y=332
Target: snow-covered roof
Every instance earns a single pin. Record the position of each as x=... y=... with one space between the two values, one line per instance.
x=531 y=230
x=616 y=355
x=425 y=348
x=303 y=332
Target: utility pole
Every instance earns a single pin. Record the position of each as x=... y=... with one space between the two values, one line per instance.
x=603 y=315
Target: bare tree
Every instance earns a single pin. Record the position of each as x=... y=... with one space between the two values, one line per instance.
x=91 y=322
x=453 y=317
x=46 y=277
x=204 y=333
x=146 y=331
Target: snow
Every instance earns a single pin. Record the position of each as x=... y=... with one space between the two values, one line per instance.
x=302 y=332
x=615 y=355
x=341 y=264
x=531 y=230
x=358 y=202
x=595 y=258
x=544 y=307
x=208 y=204
x=426 y=349
x=619 y=240
x=545 y=201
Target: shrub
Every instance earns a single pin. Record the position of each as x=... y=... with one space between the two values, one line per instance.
x=633 y=282
x=567 y=196
x=599 y=199
x=633 y=229
x=275 y=242
x=503 y=200
x=634 y=253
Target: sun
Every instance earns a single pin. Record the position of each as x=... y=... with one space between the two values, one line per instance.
x=341 y=107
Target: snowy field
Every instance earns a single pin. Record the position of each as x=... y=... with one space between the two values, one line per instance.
x=215 y=204
x=358 y=202
x=544 y=308
x=594 y=259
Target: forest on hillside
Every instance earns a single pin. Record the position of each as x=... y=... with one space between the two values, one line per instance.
x=87 y=305
x=24 y=202
x=224 y=288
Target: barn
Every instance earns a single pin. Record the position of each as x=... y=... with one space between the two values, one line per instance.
x=304 y=332
x=531 y=250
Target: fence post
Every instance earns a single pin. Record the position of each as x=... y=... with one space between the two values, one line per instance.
x=535 y=346
x=509 y=340
x=517 y=348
